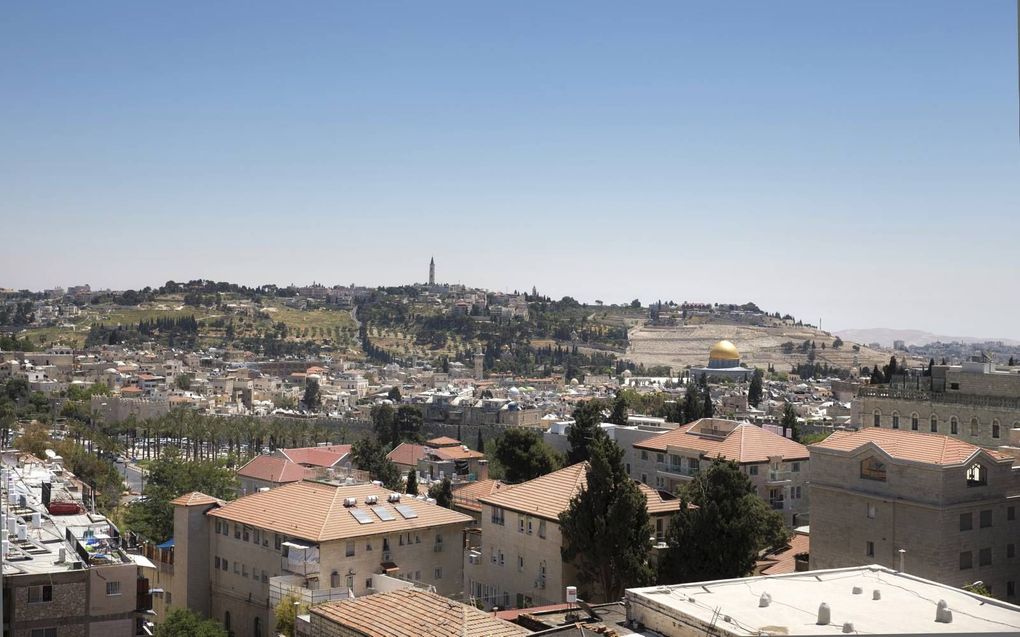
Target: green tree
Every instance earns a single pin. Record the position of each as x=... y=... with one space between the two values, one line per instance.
x=384 y=425
x=606 y=529
x=34 y=439
x=723 y=534
x=181 y=622
x=789 y=422
x=394 y=395
x=313 y=397
x=693 y=405
x=754 y=391
x=169 y=476
x=183 y=381
x=442 y=493
x=523 y=455
x=369 y=456
x=585 y=430
x=620 y=405
x=708 y=410
x=286 y=614
x=411 y=487
x=409 y=422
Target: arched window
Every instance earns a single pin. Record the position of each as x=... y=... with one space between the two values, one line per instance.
x=975 y=428
x=873 y=469
x=977 y=475
x=896 y=420
x=934 y=423
x=914 y=418
x=954 y=426
x=877 y=422
x=995 y=429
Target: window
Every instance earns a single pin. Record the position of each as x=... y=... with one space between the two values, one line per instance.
x=334 y=580
x=277 y=542
x=497 y=516
x=520 y=562
x=1010 y=588
x=995 y=429
x=349 y=552
x=112 y=588
x=752 y=470
x=795 y=492
x=216 y=563
x=226 y=620
x=895 y=420
x=954 y=426
x=265 y=577
x=437 y=573
x=520 y=523
x=439 y=538
x=644 y=455
x=40 y=594
x=877 y=419
x=871 y=511
x=914 y=422
x=873 y=469
x=501 y=558
x=1010 y=513
x=985 y=557
x=225 y=565
x=258 y=627
x=934 y=423
x=541 y=528
x=246 y=534
x=255 y=536
x=966 y=560
x=966 y=521
x=237 y=531
x=44 y=632
x=869 y=549
x=661 y=458
x=237 y=568
x=985 y=519
x=660 y=533
x=694 y=464
x=386 y=544
x=975 y=428
x=218 y=527
x=368 y=583
x=400 y=539
x=795 y=467
x=977 y=476
x=1010 y=551
x=644 y=478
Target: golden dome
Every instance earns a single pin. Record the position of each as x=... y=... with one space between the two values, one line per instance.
x=724 y=351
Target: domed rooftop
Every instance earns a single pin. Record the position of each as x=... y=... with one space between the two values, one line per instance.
x=723 y=351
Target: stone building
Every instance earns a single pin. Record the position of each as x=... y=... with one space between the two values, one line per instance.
x=319 y=542
x=947 y=508
x=517 y=562
x=775 y=465
x=973 y=402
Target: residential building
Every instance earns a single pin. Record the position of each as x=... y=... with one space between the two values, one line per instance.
x=975 y=402
x=517 y=562
x=870 y=599
x=929 y=504
x=776 y=466
x=235 y=561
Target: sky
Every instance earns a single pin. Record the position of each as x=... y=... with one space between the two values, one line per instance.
x=853 y=162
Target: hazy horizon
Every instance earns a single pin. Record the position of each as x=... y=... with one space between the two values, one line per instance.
x=856 y=164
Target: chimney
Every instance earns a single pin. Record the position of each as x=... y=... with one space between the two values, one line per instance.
x=483 y=470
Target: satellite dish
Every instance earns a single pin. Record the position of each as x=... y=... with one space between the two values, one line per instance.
x=51 y=454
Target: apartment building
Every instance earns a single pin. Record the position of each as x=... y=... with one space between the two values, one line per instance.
x=946 y=508
x=776 y=466
x=316 y=541
x=517 y=561
x=974 y=402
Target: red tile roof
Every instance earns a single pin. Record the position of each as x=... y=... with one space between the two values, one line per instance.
x=914 y=446
x=549 y=495
x=325 y=456
x=465 y=496
x=407 y=454
x=745 y=443
x=274 y=469
x=783 y=561
x=443 y=441
x=195 y=498
x=457 y=453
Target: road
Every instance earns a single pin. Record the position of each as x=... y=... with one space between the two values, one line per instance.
x=132 y=476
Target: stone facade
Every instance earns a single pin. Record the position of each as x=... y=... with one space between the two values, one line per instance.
x=868 y=506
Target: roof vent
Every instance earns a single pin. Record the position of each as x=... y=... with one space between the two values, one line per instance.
x=349 y=502
x=764 y=600
x=824 y=614
x=942 y=613
x=857 y=590
x=848 y=627
x=876 y=594
x=393 y=497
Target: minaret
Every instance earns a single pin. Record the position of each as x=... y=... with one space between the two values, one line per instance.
x=432 y=271
x=479 y=360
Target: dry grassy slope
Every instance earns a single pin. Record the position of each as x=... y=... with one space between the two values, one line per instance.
x=688 y=345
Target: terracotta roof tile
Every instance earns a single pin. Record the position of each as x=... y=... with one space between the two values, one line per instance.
x=457 y=453
x=412 y=613
x=407 y=454
x=315 y=511
x=549 y=495
x=746 y=443
x=914 y=446
x=443 y=441
x=466 y=495
x=195 y=498
x=274 y=469
x=784 y=561
x=325 y=456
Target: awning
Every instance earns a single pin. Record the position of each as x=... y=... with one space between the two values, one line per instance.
x=389 y=567
x=141 y=560
x=295 y=545
x=169 y=544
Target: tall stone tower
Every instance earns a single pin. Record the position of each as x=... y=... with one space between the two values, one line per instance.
x=432 y=271
x=479 y=362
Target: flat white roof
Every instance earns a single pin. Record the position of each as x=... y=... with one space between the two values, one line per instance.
x=907 y=605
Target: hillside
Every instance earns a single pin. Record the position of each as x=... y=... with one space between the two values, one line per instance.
x=886 y=337
x=682 y=345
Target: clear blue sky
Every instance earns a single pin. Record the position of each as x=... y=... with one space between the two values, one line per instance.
x=854 y=161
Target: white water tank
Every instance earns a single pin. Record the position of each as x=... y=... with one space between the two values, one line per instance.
x=22 y=532
x=36 y=520
x=571 y=594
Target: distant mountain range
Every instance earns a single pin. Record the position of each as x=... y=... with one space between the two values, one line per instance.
x=885 y=337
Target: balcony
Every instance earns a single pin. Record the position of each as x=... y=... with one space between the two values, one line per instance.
x=676 y=470
x=778 y=505
x=776 y=477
